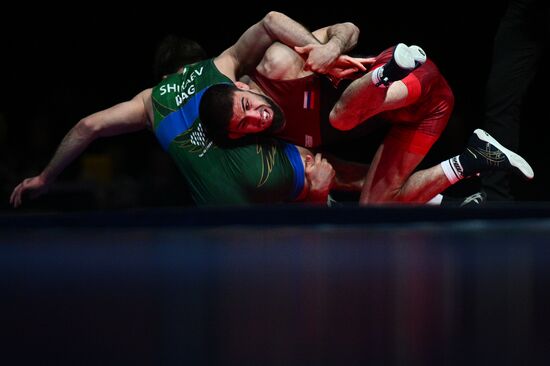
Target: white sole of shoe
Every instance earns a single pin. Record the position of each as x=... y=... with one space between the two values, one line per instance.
x=517 y=161
x=418 y=54
x=403 y=57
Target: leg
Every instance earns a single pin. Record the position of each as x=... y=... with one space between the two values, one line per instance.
x=516 y=52
x=391 y=177
x=483 y=154
x=351 y=109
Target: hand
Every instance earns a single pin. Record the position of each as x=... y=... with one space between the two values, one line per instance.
x=320 y=176
x=345 y=66
x=35 y=186
x=319 y=57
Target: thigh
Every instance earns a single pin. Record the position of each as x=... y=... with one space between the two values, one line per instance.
x=395 y=161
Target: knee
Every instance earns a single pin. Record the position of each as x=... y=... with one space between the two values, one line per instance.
x=338 y=120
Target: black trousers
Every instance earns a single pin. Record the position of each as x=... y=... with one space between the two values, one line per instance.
x=520 y=39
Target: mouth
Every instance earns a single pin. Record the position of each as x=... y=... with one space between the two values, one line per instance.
x=265 y=116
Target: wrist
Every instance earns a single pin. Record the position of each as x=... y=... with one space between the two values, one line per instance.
x=337 y=44
x=46 y=178
x=318 y=194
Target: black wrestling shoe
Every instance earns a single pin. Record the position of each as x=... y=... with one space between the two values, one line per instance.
x=404 y=60
x=331 y=202
x=484 y=153
x=476 y=199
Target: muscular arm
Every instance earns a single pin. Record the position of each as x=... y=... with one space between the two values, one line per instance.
x=335 y=40
x=281 y=62
x=122 y=118
x=247 y=52
x=344 y=36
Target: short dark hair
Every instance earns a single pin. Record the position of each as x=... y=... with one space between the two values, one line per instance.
x=174 y=52
x=216 y=110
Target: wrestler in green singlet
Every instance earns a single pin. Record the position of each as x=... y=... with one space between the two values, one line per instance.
x=263 y=172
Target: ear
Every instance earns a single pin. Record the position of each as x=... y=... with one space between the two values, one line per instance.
x=308 y=160
x=242 y=85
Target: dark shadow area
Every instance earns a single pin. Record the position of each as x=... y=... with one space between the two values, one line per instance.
x=394 y=286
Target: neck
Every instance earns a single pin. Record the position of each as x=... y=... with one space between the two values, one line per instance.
x=251 y=84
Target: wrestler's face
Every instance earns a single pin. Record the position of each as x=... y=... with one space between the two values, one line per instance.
x=254 y=113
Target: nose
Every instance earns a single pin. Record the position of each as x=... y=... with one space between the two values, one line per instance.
x=254 y=115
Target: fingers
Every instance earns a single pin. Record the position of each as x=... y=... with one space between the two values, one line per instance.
x=318 y=158
x=357 y=64
x=366 y=60
x=303 y=49
x=311 y=161
x=15 y=198
x=12 y=196
x=347 y=61
x=17 y=195
x=320 y=161
x=344 y=73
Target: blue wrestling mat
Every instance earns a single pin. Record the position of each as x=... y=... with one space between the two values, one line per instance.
x=277 y=286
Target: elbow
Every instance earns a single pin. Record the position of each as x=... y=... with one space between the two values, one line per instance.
x=272 y=16
x=354 y=30
x=338 y=121
x=271 y=19
x=88 y=129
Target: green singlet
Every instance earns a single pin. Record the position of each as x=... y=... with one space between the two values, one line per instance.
x=264 y=172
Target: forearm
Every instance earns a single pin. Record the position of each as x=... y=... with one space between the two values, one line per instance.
x=343 y=35
x=286 y=30
x=72 y=145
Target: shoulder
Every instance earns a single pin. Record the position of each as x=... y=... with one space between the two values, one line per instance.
x=227 y=64
x=144 y=97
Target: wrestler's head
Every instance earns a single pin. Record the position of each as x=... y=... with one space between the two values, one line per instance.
x=234 y=111
x=173 y=53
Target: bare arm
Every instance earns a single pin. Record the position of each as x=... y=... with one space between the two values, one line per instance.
x=343 y=36
x=247 y=52
x=335 y=40
x=122 y=118
x=323 y=56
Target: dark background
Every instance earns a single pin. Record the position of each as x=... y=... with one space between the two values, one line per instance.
x=153 y=291
x=382 y=286
x=60 y=67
